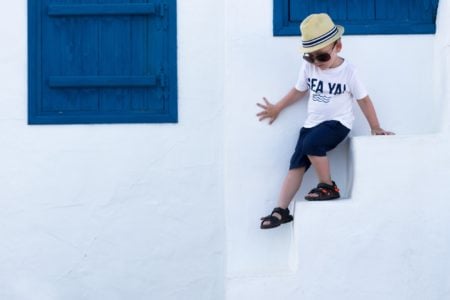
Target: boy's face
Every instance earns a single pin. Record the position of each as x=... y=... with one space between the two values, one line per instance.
x=326 y=57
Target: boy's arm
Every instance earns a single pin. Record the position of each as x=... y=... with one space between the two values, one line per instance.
x=368 y=110
x=271 y=111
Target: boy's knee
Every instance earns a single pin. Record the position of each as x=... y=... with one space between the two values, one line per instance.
x=313 y=149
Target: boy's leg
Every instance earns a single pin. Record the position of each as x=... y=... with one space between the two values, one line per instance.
x=298 y=165
x=322 y=167
x=290 y=186
x=323 y=138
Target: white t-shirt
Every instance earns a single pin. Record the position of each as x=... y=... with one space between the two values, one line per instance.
x=331 y=93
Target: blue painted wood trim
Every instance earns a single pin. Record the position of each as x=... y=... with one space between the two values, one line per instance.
x=172 y=60
x=360 y=29
x=34 y=63
x=281 y=16
x=111 y=9
x=101 y=81
x=283 y=26
x=78 y=118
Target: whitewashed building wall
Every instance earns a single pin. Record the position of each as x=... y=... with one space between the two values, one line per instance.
x=115 y=211
x=387 y=239
x=172 y=211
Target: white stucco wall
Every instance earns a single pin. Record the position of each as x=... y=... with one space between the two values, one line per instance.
x=262 y=65
x=386 y=240
x=115 y=211
x=172 y=211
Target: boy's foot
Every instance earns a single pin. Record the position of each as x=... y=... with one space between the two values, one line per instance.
x=323 y=191
x=276 y=218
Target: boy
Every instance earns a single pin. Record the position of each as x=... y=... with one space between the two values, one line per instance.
x=332 y=84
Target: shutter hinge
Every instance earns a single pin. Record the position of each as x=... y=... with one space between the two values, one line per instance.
x=162 y=79
x=162 y=10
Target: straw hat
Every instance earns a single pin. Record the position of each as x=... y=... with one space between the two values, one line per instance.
x=318 y=31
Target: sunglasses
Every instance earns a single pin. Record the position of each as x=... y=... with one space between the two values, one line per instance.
x=321 y=57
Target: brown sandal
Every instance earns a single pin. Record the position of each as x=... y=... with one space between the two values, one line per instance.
x=274 y=221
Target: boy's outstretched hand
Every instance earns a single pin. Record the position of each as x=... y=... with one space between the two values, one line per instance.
x=269 y=111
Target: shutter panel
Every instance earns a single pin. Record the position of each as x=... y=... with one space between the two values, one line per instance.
x=391 y=10
x=361 y=10
x=102 y=61
x=360 y=16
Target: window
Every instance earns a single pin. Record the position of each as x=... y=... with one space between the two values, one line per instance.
x=96 y=61
x=360 y=16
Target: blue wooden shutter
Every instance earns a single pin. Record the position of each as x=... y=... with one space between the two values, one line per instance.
x=102 y=61
x=360 y=16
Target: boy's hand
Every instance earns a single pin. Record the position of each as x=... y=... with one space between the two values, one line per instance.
x=270 y=111
x=381 y=131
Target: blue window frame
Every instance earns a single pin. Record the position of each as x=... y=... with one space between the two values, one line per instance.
x=360 y=16
x=102 y=61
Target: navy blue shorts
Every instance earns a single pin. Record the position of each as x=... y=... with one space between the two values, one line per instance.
x=317 y=141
